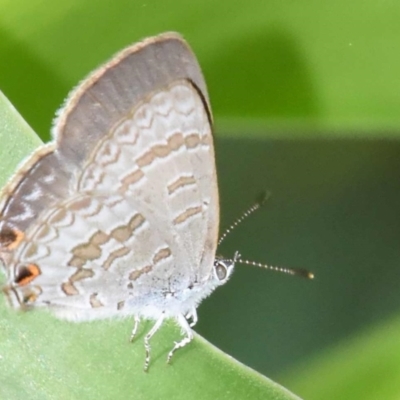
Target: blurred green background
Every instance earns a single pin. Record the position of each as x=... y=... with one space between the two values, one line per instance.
x=306 y=99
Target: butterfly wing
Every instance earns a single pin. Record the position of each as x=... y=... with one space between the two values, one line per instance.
x=126 y=200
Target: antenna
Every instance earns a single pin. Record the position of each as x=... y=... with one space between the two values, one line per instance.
x=290 y=271
x=304 y=273
x=259 y=203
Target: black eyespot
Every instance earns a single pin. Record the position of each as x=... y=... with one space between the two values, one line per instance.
x=26 y=274
x=7 y=236
x=221 y=271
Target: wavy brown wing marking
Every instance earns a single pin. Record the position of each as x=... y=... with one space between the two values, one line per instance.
x=183 y=150
x=160 y=158
x=93 y=107
x=87 y=241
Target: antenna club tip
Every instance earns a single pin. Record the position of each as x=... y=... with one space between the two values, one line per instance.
x=304 y=273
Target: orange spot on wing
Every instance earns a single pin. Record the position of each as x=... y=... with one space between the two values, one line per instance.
x=11 y=238
x=30 y=298
x=26 y=274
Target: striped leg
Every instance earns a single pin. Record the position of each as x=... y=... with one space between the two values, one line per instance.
x=186 y=340
x=147 y=338
x=135 y=328
x=192 y=314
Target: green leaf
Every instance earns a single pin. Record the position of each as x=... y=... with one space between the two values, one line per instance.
x=44 y=358
x=16 y=137
x=365 y=367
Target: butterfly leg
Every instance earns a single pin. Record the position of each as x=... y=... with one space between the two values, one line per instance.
x=135 y=328
x=147 y=338
x=192 y=314
x=186 y=340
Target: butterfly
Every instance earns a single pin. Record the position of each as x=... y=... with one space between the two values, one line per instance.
x=118 y=216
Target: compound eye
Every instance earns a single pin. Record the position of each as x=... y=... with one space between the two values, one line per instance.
x=221 y=271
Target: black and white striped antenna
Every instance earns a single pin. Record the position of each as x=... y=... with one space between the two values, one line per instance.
x=304 y=273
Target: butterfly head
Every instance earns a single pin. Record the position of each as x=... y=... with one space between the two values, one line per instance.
x=223 y=268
